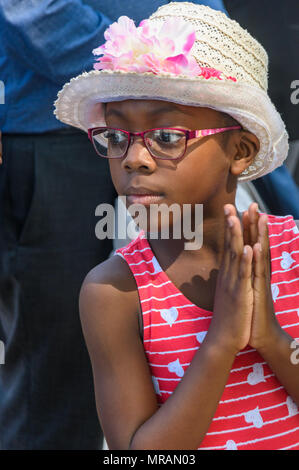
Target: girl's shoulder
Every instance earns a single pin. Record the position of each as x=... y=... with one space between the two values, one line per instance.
x=109 y=295
x=113 y=271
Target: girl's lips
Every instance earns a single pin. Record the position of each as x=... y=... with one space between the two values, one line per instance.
x=144 y=199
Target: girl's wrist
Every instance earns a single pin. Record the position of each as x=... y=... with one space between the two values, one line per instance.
x=271 y=340
x=218 y=345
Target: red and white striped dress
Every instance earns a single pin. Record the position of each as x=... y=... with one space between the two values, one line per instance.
x=255 y=411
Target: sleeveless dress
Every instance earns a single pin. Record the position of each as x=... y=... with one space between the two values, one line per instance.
x=255 y=411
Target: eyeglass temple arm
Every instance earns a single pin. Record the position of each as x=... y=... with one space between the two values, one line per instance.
x=204 y=132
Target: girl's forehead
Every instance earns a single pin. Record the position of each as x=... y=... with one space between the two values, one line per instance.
x=152 y=108
x=144 y=105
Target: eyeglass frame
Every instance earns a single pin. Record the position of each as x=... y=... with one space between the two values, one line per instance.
x=198 y=133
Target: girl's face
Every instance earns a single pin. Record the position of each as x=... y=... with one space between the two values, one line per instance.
x=202 y=176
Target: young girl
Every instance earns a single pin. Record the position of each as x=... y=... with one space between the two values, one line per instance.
x=190 y=348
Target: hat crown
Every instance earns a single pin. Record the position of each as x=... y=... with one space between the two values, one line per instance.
x=220 y=43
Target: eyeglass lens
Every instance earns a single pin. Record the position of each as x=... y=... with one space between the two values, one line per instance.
x=161 y=143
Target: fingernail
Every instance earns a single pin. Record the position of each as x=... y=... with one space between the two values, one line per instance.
x=226 y=210
x=230 y=222
x=245 y=250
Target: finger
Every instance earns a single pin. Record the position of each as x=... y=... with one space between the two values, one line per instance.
x=261 y=284
x=259 y=266
x=253 y=221
x=236 y=240
x=246 y=229
x=236 y=247
x=263 y=239
x=226 y=246
x=246 y=264
x=263 y=233
x=229 y=210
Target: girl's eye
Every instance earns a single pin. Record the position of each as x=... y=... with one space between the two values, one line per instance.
x=115 y=137
x=168 y=137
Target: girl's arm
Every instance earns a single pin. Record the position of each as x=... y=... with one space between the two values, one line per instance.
x=275 y=345
x=281 y=352
x=125 y=396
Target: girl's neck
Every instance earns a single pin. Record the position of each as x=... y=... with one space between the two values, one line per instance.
x=211 y=238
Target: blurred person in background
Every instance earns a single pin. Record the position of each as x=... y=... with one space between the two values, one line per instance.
x=50 y=185
x=275 y=25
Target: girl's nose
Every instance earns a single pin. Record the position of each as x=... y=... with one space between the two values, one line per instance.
x=138 y=156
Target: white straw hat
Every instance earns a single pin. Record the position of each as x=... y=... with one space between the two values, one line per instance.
x=233 y=78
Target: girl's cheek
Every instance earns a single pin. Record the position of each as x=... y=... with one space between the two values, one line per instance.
x=116 y=175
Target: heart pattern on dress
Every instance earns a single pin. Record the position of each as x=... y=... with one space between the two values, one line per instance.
x=201 y=336
x=169 y=315
x=287 y=260
x=176 y=367
x=275 y=291
x=254 y=417
x=292 y=407
x=231 y=445
x=157 y=267
x=257 y=375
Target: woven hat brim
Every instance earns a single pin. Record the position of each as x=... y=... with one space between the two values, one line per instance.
x=79 y=104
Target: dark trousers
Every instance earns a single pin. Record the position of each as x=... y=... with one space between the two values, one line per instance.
x=50 y=185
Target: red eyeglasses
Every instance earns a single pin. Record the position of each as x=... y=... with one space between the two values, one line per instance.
x=166 y=143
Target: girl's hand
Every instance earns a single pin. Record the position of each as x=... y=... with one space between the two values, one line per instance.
x=230 y=327
x=264 y=321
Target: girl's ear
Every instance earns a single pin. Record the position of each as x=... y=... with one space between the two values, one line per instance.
x=246 y=147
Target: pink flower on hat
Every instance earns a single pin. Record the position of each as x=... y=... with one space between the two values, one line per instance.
x=151 y=48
